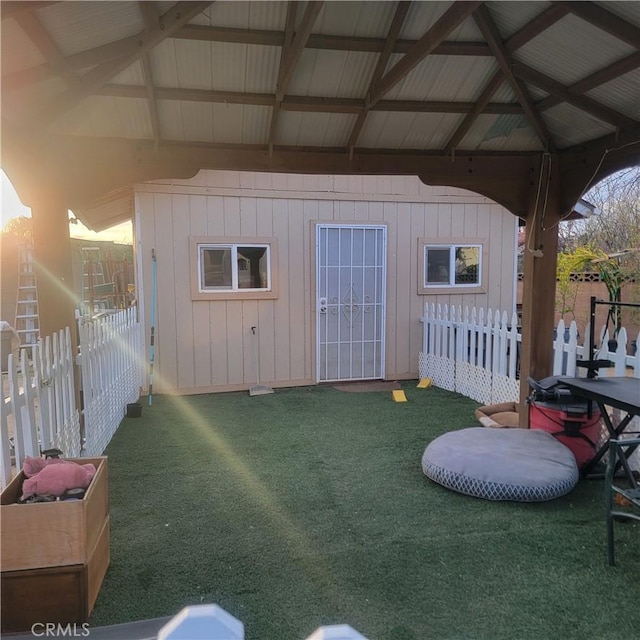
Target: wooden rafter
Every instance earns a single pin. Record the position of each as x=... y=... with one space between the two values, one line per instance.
x=536 y=26
x=394 y=31
x=491 y=34
x=303 y=103
x=455 y=15
x=611 y=72
x=47 y=47
x=529 y=31
x=583 y=102
x=323 y=41
x=150 y=17
x=605 y=20
x=168 y=24
x=479 y=107
x=120 y=48
x=295 y=42
x=75 y=62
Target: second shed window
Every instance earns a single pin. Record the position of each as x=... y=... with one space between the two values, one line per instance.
x=452 y=265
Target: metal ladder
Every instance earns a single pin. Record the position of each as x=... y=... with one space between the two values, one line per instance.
x=27 y=323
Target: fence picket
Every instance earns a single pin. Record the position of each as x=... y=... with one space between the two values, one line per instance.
x=110 y=369
x=476 y=353
x=41 y=397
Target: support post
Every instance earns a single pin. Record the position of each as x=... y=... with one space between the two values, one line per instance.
x=539 y=286
x=52 y=255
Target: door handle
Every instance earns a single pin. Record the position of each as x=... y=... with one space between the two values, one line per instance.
x=322 y=305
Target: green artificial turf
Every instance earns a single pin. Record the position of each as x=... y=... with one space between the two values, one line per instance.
x=309 y=507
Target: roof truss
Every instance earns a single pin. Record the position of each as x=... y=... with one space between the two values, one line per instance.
x=102 y=63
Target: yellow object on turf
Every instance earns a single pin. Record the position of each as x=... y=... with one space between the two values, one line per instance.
x=424 y=383
x=398 y=396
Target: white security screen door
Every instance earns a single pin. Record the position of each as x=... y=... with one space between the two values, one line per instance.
x=351 y=274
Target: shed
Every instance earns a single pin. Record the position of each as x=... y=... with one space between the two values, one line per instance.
x=332 y=271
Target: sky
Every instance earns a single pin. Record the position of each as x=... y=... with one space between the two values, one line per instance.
x=13 y=208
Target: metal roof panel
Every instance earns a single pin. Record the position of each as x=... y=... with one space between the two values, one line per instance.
x=314 y=129
x=332 y=74
x=445 y=78
x=582 y=47
x=133 y=75
x=628 y=10
x=356 y=19
x=571 y=126
x=76 y=26
x=482 y=136
x=512 y=16
x=244 y=15
x=622 y=94
x=422 y=15
x=389 y=130
x=164 y=64
x=107 y=116
x=219 y=123
x=192 y=64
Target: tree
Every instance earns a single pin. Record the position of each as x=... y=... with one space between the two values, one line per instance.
x=618 y=226
x=19 y=229
x=607 y=243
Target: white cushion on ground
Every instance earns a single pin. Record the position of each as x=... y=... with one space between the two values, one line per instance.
x=525 y=465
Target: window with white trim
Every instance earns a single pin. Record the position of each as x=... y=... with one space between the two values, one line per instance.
x=234 y=267
x=452 y=265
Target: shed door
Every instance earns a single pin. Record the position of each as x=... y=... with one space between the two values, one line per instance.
x=351 y=270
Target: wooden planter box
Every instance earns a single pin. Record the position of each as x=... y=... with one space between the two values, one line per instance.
x=54 y=554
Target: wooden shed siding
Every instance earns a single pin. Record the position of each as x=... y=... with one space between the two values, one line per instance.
x=208 y=345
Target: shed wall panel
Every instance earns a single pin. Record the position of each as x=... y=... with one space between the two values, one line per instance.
x=207 y=345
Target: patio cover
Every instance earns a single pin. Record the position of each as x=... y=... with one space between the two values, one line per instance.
x=527 y=103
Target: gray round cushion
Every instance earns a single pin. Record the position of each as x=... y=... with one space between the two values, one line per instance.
x=525 y=465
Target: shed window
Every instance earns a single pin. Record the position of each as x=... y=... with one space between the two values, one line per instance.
x=234 y=267
x=454 y=265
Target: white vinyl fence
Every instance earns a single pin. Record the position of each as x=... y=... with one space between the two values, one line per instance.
x=476 y=354
x=38 y=404
x=39 y=410
x=111 y=374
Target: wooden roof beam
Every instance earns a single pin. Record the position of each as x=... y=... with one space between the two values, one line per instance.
x=529 y=31
x=536 y=26
x=75 y=62
x=453 y=17
x=394 y=31
x=613 y=71
x=605 y=20
x=490 y=31
x=479 y=107
x=312 y=104
x=607 y=114
x=323 y=41
x=295 y=42
x=121 y=48
x=47 y=47
x=168 y=24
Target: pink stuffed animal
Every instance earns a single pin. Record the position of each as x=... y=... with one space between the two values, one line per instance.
x=55 y=476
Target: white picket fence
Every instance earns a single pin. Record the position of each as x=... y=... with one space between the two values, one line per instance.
x=111 y=371
x=476 y=354
x=39 y=410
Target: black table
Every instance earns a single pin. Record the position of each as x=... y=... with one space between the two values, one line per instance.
x=620 y=393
